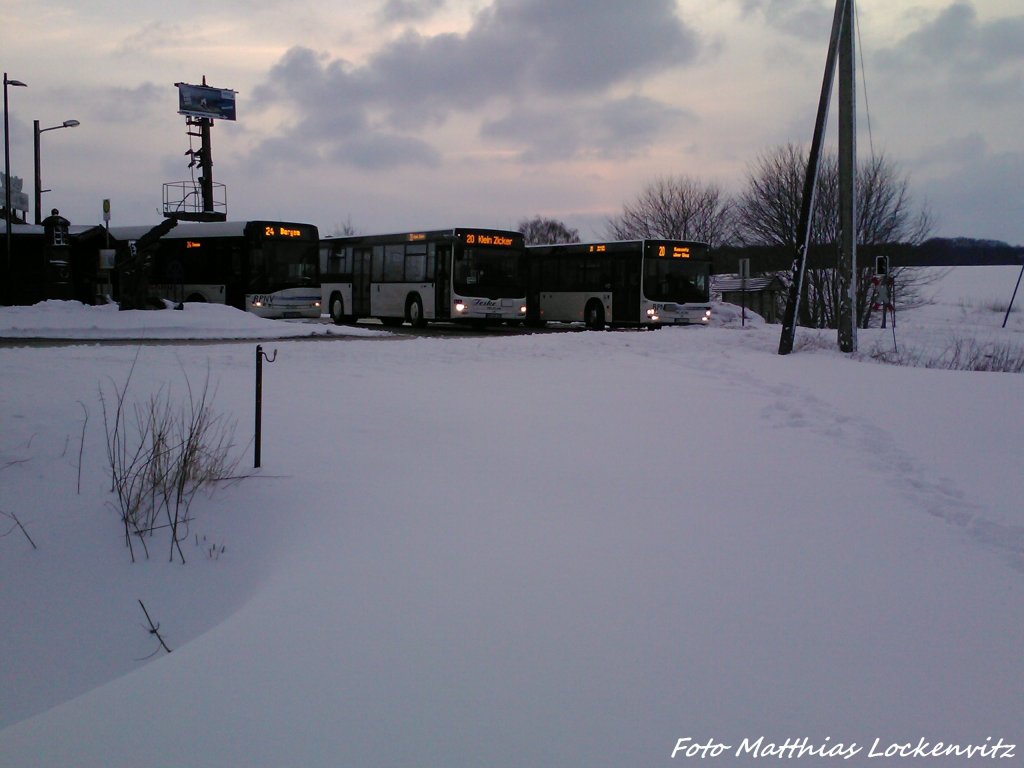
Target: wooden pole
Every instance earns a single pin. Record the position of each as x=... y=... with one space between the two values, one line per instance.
x=810 y=186
x=847 y=320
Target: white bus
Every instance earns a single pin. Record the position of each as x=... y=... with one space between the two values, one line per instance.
x=457 y=275
x=269 y=268
x=633 y=283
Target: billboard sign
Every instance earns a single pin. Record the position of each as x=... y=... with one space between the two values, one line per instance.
x=19 y=199
x=203 y=101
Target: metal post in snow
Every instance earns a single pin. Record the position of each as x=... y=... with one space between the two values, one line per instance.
x=744 y=274
x=1007 y=315
x=260 y=355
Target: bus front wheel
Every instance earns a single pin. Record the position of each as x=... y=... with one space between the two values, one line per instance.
x=594 y=316
x=337 y=308
x=414 y=312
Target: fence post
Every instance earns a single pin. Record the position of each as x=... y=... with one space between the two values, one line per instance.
x=260 y=355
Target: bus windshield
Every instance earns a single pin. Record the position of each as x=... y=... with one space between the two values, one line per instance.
x=672 y=280
x=489 y=273
x=280 y=264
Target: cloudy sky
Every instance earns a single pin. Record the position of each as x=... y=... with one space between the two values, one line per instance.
x=404 y=114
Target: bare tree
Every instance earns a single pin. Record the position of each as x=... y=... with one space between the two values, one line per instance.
x=344 y=229
x=543 y=231
x=768 y=211
x=676 y=208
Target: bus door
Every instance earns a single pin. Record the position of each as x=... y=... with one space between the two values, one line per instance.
x=625 y=289
x=361 y=282
x=443 y=282
x=531 y=264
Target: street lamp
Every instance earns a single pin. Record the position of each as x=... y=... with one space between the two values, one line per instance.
x=7 y=177
x=39 y=181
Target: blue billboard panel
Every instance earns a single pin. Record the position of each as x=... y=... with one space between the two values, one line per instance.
x=203 y=101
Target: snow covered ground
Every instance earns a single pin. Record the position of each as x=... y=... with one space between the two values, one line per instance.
x=558 y=549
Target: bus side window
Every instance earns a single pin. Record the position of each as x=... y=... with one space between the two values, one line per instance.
x=416 y=263
x=573 y=267
x=394 y=263
x=330 y=260
x=606 y=273
x=592 y=273
x=549 y=273
x=377 y=264
x=257 y=264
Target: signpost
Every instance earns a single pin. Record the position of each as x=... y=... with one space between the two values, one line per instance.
x=744 y=276
x=201 y=105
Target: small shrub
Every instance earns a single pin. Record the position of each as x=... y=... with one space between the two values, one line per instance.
x=960 y=355
x=810 y=339
x=161 y=454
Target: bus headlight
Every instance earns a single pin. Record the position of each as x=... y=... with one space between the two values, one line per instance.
x=256 y=303
x=460 y=307
x=522 y=310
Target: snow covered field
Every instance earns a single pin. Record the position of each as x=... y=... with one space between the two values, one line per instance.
x=559 y=549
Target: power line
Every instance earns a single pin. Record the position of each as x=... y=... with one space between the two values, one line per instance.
x=864 y=80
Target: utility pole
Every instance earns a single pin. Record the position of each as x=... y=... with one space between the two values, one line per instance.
x=847 y=185
x=8 y=218
x=206 y=163
x=843 y=17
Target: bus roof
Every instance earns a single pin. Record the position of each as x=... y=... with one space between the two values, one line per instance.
x=616 y=246
x=637 y=243
x=425 y=235
x=200 y=228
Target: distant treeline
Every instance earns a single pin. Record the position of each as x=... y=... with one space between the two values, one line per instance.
x=958 y=252
x=936 y=252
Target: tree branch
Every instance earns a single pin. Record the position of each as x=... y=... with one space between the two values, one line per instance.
x=154 y=629
x=18 y=524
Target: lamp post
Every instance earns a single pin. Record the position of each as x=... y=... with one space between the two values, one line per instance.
x=7 y=177
x=39 y=182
